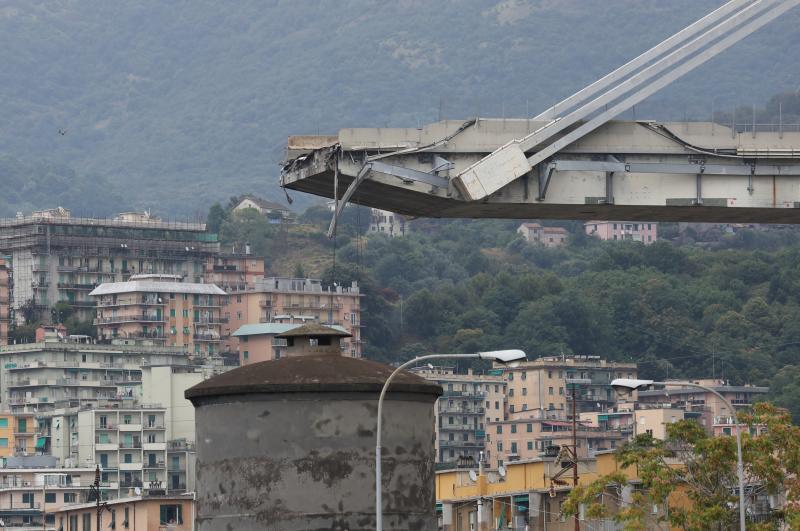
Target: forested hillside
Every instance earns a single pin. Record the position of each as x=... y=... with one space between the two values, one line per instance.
x=176 y=103
x=729 y=309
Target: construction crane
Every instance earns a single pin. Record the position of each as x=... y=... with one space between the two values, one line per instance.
x=572 y=161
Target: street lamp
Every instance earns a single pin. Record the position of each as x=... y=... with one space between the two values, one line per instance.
x=501 y=356
x=627 y=384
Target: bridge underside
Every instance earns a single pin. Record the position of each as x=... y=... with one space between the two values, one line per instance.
x=644 y=171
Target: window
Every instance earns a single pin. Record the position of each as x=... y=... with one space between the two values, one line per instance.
x=561 y=390
x=513 y=428
x=451 y=436
x=524 y=391
x=27 y=497
x=530 y=445
x=511 y=408
x=4 y=442
x=550 y=390
x=185 y=313
x=500 y=428
x=499 y=446
x=128 y=458
x=511 y=377
x=87 y=521
x=246 y=355
x=126 y=522
x=496 y=388
x=3 y=423
x=171 y=514
x=69 y=497
x=172 y=312
x=22 y=424
x=524 y=375
x=449 y=420
x=73 y=522
x=511 y=392
x=549 y=374
x=497 y=405
x=49 y=497
x=513 y=447
x=127 y=419
x=529 y=428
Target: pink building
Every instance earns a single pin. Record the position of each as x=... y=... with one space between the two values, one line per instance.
x=260 y=342
x=645 y=232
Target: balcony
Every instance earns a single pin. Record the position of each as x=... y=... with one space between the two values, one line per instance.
x=136 y=318
x=106 y=446
x=156 y=426
x=206 y=338
x=76 y=286
x=135 y=445
x=157 y=464
x=130 y=466
x=155 y=446
x=130 y=427
x=130 y=484
x=456 y=410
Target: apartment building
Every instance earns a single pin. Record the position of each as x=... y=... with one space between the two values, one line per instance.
x=529 y=438
x=260 y=342
x=42 y=377
x=56 y=257
x=163 y=310
x=547 y=236
x=20 y=435
x=647 y=233
x=388 y=223
x=234 y=272
x=706 y=406
x=541 y=385
x=129 y=444
x=297 y=300
x=151 y=512
x=469 y=401
x=6 y=289
x=650 y=419
x=30 y=495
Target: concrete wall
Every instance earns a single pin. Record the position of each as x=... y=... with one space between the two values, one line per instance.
x=303 y=461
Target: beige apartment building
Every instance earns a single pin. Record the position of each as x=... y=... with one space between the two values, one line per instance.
x=630 y=422
x=296 y=300
x=547 y=236
x=152 y=512
x=541 y=385
x=706 y=406
x=469 y=402
x=530 y=438
x=234 y=272
x=162 y=310
x=30 y=495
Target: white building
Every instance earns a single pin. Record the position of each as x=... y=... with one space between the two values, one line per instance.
x=129 y=445
x=388 y=223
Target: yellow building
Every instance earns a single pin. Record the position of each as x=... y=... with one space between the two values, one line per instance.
x=519 y=495
x=19 y=435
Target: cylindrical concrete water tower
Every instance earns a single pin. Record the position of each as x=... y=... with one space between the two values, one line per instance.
x=290 y=444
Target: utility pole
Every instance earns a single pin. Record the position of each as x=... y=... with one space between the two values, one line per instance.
x=575 y=447
x=574 y=383
x=94 y=490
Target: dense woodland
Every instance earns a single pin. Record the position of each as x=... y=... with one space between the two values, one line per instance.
x=728 y=308
x=175 y=104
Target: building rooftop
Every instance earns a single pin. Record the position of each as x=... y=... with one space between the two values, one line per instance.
x=274 y=329
x=154 y=286
x=91 y=347
x=694 y=390
x=130 y=499
x=311 y=374
x=315 y=329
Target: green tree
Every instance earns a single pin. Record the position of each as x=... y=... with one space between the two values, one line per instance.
x=690 y=465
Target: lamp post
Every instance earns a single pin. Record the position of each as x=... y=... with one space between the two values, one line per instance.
x=628 y=384
x=502 y=356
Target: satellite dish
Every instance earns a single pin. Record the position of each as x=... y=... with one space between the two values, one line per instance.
x=138 y=491
x=473 y=476
x=502 y=471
